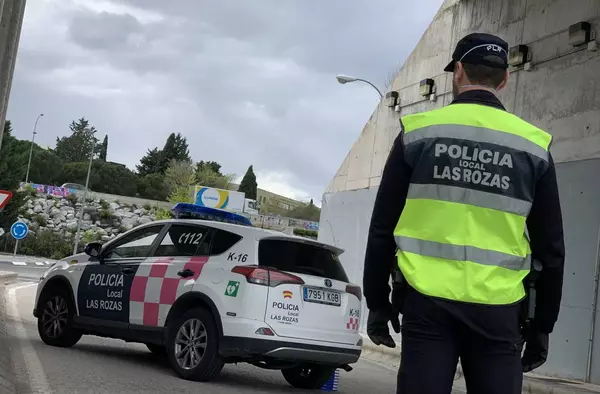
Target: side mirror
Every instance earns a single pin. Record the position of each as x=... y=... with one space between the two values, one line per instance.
x=93 y=249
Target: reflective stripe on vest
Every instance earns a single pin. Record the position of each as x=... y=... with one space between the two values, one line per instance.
x=461 y=235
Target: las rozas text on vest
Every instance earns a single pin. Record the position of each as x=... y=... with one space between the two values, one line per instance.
x=471 y=167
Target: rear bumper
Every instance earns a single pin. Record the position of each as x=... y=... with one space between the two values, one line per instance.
x=253 y=348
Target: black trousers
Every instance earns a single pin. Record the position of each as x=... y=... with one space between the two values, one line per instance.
x=437 y=333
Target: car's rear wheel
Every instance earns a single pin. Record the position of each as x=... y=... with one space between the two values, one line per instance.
x=193 y=346
x=309 y=376
x=55 y=324
x=156 y=349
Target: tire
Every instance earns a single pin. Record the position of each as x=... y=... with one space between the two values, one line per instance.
x=210 y=364
x=55 y=324
x=311 y=377
x=157 y=349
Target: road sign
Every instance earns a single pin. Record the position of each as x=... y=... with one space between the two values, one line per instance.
x=19 y=230
x=5 y=197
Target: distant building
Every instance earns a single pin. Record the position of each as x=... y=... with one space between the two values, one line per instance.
x=266 y=198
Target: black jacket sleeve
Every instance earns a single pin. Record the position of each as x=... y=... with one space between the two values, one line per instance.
x=381 y=247
x=547 y=245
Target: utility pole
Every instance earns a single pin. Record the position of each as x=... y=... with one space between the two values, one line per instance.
x=11 y=20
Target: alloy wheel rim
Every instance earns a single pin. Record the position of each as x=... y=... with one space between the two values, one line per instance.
x=190 y=344
x=55 y=317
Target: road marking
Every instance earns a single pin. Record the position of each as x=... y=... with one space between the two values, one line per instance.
x=19 y=263
x=35 y=370
x=39 y=263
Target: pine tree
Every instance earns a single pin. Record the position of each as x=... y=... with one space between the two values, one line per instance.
x=77 y=147
x=9 y=180
x=103 y=149
x=248 y=184
x=157 y=161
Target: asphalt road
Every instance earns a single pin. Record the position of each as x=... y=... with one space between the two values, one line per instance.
x=26 y=272
x=97 y=365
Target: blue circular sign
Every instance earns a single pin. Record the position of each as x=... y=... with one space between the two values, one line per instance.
x=19 y=230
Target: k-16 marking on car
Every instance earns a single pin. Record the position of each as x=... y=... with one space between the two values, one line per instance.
x=208 y=292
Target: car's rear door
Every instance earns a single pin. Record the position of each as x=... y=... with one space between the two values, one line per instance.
x=322 y=305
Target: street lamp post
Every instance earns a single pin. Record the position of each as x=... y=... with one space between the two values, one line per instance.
x=87 y=181
x=31 y=149
x=343 y=79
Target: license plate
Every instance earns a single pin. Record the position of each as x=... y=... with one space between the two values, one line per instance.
x=321 y=296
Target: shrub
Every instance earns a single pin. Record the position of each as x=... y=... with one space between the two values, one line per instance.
x=104 y=204
x=72 y=198
x=39 y=219
x=147 y=207
x=105 y=214
x=306 y=233
x=47 y=243
x=162 y=214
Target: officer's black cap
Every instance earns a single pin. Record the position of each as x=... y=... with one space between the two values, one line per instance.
x=480 y=48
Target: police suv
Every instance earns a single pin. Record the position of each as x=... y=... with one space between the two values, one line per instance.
x=208 y=292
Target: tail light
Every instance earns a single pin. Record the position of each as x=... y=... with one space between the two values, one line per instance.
x=266 y=276
x=354 y=289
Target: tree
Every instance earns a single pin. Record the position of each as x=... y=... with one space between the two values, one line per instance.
x=103 y=149
x=176 y=148
x=111 y=178
x=212 y=165
x=248 y=184
x=157 y=161
x=150 y=163
x=306 y=212
x=153 y=187
x=9 y=180
x=209 y=174
x=77 y=147
x=180 y=178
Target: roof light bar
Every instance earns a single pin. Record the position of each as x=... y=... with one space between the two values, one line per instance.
x=193 y=211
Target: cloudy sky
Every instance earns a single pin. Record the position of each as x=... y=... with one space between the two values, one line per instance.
x=246 y=81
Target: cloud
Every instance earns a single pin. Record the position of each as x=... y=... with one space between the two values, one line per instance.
x=245 y=82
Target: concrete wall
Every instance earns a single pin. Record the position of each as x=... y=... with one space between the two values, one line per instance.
x=561 y=93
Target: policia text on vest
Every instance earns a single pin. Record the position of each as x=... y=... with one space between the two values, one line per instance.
x=471 y=166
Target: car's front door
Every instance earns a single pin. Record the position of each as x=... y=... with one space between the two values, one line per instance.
x=104 y=289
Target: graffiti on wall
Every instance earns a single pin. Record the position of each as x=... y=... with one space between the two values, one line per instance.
x=56 y=191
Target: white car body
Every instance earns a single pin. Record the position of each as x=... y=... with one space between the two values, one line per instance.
x=135 y=298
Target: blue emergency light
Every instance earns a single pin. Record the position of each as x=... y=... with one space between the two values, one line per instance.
x=192 y=211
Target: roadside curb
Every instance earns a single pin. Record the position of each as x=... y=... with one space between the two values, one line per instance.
x=7 y=374
x=532 y=384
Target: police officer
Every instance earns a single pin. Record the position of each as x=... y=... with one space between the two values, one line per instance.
x=468 y=197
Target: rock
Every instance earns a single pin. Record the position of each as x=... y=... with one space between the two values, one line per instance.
x=72 y=225
x=105 y=238
x=62 y=217
x=30 y=211
x=114 y=206
x=38 y=209
x=50 y=225
x=145 y=220
x=56 y=221
x=87 y=217
x=54 y=212
x=138 y=212
x=70 y=216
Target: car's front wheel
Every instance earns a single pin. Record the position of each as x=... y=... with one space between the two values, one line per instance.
x=55 y=324
x=193 y=346
x=311 y=377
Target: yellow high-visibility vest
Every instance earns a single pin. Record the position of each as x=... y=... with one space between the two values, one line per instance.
x=462 y=233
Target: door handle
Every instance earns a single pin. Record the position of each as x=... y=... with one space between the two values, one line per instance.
x=186 y=273
x=127 y=270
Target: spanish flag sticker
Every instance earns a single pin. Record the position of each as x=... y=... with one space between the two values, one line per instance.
x=287 y=294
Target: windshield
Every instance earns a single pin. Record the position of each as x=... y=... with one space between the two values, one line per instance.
x=300 y=258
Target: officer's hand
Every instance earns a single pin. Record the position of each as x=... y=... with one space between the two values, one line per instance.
x=536 y=350
x=377 y=326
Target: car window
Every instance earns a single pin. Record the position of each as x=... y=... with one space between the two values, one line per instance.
x=185 y=240
x=136 y=244
x=223 y=241
x=300 y=258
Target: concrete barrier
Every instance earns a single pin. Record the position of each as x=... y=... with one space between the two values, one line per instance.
x=7 y=373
